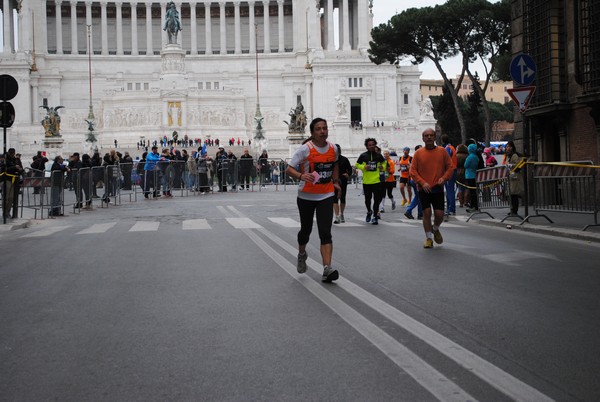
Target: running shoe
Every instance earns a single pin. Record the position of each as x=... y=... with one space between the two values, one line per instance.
x=393 y=205
x=329 y=274
x=409 y=216
x=301 y=266
x=342 y=220
x=403 y=202
x=368 y=219
x=337 y=220
x=428 y=243
x=437 y=236
x=374 y=221
x=381 y=210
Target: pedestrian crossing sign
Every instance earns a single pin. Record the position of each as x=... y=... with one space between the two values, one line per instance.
x=521 y=96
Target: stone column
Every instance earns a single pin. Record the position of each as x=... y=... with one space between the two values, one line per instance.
x=34 y=99
x=207 y=28
x=74 y=45
x=314 y=27
x=119 y=22
x=329 y=42
x=363 y=25
x=307 y=102
x=267 y=27
x=193 y=33
x=238 y=27
x=8 y=48
x=149 y=45
x=222 y=28
x=280 y=25
x=179 y=37
x=88 y=22
x=163 y=16
x=59 y=45
x=252 y=28
x=104 y=27
x=134 y=32
x=346 y=26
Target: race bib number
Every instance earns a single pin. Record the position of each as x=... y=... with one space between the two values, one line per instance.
x=325 y=171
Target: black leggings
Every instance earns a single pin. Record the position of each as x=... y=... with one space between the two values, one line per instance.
x=389 y=188
x=324 y=210
x=376 y=191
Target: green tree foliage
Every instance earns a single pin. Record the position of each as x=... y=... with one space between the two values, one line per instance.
x=474 y=29
x=474 y=117
x=445 y=114
x=419 y=34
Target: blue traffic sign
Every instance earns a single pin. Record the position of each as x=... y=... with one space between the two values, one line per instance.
x=522 y=69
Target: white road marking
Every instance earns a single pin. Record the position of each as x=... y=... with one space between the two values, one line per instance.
x=98 y=228
x=422 y=372
x=395 y=224
x=515 y=256
x=145 y=226
x=243 y=223
x=46 y=231
x=195 y=224
x=496 y=377
x=286 y=222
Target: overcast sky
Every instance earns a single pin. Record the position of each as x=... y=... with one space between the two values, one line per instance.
x=383 y=10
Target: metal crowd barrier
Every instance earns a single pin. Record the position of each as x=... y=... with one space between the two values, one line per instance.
x=565 y=187
x=493 y=191
x=35 y=192
x=40 y=193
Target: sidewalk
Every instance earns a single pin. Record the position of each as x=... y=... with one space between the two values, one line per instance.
x=568 y=225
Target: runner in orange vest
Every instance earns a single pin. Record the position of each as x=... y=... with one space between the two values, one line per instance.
x=390 y=181
x=315 y=165
x=404 y=168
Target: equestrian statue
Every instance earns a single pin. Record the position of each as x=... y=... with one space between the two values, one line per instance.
x=172 y=23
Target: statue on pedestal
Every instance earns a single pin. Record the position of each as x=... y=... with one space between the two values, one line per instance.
x=340 y=107
x=172 y=23
x=51 y=122
x=297 y=121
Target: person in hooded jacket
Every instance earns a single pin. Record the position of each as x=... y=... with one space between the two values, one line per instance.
x=515 y=178
x=462 y=193
x=471 y=166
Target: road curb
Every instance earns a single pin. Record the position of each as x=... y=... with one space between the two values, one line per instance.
x=15 y=224
x=546 y=230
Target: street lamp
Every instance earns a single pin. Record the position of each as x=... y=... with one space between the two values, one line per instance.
x=91 y=111
x=258 y=135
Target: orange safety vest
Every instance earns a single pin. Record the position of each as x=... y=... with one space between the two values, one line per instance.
x=391 y=168
x=322 y=164
x=405 y=166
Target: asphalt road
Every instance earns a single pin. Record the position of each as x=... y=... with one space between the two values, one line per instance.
x=198 y=298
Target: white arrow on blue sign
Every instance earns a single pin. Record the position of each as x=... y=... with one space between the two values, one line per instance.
x=522 y=69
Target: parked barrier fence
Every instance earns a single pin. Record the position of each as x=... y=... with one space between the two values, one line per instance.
x=568 y=187
x=493 y=191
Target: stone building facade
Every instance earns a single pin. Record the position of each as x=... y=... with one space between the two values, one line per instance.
x=562 y=122
x=230 y=57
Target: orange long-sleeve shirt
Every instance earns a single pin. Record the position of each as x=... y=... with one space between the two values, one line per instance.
x=429 y=165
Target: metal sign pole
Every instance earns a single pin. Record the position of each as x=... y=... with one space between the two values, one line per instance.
x=4 y=190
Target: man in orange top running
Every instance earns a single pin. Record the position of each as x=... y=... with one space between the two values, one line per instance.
x=431 y=168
